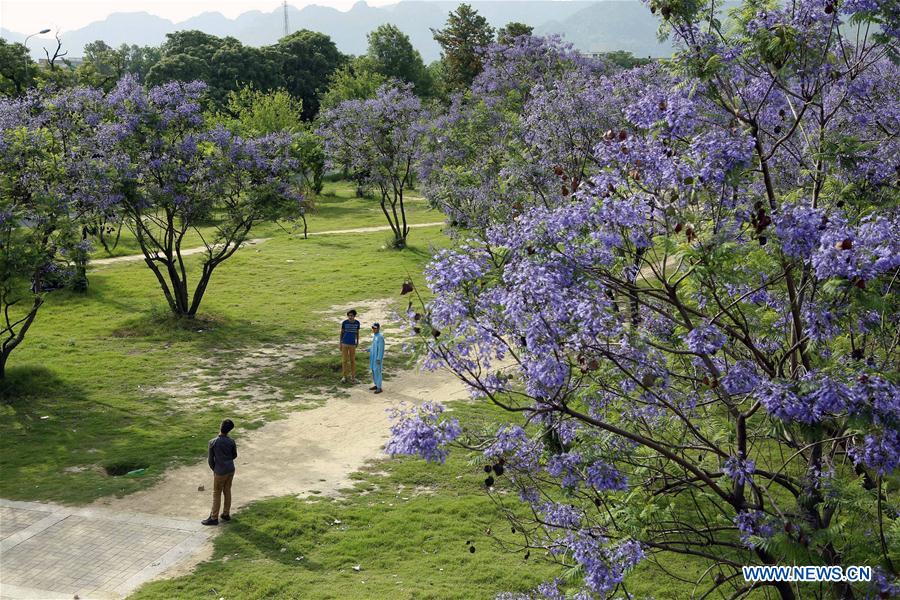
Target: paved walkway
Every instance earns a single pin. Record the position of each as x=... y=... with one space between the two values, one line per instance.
x=200 y=249
x=52 y=551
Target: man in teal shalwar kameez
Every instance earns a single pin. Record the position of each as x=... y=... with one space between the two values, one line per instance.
x=376 y=357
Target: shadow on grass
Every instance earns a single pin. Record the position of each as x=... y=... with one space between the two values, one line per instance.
x=279 y=530
x=27 y=389
x=214 y=329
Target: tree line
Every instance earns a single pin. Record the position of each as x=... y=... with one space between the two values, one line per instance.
x=306 y=64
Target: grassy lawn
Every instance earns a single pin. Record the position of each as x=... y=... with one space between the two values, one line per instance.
x=405 y=523
x=82 y=392
x=336 y=208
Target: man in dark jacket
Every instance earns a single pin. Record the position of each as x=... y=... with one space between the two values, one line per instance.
x=222 y=452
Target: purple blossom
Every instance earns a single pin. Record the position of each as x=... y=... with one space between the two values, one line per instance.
x=879 y=450
x=560 y=516
x=799 y=228
x=781 y=402
x=861 y=252
x=878 y=394
x=741 y=378
x=513 y=445
x=604 y=566
x=885 y=584
x=705 y=339
x=753 y=524
x=566 y=467
x=821 y=324
x=739 y=469
x=603 y=476
x=830 y=397
x=419 y=430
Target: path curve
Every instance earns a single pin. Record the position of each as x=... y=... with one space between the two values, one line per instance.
x=310 y=450
x=200 y=249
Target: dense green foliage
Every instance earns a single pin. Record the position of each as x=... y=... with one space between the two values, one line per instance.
x=16 y=68
x=307 y=60
x=104 y=65
x=355 y=80
x=512 y=30
x=465 y=33
x=393 y=56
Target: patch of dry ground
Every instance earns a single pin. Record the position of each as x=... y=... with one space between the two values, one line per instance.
x=248 y=378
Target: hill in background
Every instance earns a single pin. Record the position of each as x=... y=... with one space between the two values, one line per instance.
x=590 y=26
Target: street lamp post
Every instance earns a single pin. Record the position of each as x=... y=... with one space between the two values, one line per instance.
x=25 y=43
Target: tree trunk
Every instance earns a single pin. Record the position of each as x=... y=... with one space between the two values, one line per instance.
x=15 y=339
x=785 y=591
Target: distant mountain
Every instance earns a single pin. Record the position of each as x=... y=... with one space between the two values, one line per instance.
x=11 y=36
x=590 y=26
x=611 y=25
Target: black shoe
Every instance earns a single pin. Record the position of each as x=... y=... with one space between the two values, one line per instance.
x=374 y=387
x=225 y=517
x=378 y=390
x=210 y=521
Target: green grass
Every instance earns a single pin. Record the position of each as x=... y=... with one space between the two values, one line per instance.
x=80 y=391
x=405 y=523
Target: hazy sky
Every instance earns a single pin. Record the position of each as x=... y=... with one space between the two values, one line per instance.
x=28 y=16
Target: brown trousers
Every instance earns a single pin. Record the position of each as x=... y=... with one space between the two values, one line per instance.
x=348 y=360
x=221 y=486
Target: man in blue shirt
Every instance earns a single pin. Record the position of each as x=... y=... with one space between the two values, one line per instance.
x=376 y=357
x=349 y=342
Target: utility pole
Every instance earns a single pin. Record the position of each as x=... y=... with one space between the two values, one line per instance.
x=287 y=28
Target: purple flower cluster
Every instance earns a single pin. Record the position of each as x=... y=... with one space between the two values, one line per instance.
x=751 y=524
x=861 y=252
x=741 y=378
x=740 y=469
x=420 y=431
x=512 y=443
x=566 y=467
x=800 y=228
x=705 y=339
x=879 y=451
x=604 y=565
x=604 y=477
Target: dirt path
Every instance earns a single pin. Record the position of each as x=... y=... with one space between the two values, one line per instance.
x=256 y=241
x=311 y=450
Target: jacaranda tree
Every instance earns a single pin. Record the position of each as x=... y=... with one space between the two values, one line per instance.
x=44 y=201
x=179 y=175
x=697 y=323
x=478 y=154
x=378 y=141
